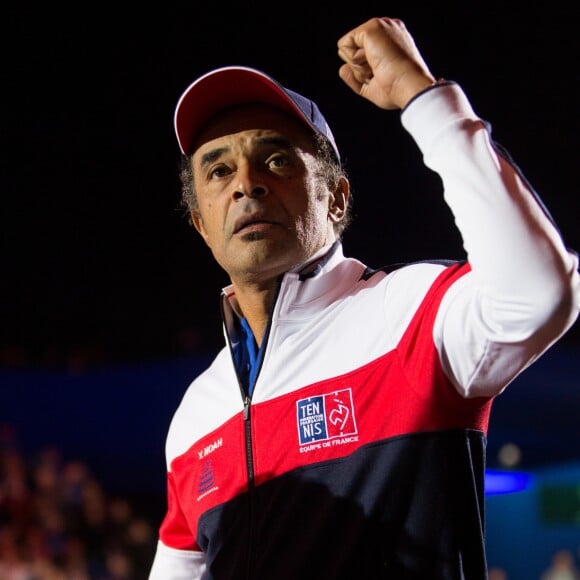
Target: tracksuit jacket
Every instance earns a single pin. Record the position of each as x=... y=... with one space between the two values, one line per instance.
x=361 y=452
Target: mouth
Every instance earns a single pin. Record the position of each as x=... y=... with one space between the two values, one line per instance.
x=250 y=223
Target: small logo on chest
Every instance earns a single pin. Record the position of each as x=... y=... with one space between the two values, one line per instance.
x=329 y=417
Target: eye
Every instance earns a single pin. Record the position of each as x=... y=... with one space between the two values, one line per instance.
x=277 y=161
x=219 y=171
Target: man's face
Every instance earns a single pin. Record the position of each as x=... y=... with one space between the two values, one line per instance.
x=263 y=207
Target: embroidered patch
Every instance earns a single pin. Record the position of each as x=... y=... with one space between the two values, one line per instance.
x=326 y=417
x=206 y=482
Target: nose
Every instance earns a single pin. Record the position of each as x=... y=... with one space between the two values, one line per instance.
x=248 y=183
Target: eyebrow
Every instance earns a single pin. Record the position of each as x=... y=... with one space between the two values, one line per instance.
x=216 y=153
x=212 y=155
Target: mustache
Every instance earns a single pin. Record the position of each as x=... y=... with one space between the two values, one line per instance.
x=253 y=212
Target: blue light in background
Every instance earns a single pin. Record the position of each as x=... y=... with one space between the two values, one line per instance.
x=497 y=482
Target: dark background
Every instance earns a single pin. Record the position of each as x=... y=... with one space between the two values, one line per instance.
x=99 y=267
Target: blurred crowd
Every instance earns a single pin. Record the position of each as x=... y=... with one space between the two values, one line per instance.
x=57 y=522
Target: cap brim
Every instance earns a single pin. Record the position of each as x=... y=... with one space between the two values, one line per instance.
x=222 y=88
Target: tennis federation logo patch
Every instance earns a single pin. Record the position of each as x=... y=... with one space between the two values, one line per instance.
x=327 y=419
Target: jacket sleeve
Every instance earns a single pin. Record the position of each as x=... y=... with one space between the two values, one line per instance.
x=172 y=564
x=523 y=292
x=175 y=558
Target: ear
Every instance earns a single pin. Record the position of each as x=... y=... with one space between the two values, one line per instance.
x=338 y=200
x=197 y=222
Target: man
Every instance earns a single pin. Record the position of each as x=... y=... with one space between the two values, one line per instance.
x=341 y=432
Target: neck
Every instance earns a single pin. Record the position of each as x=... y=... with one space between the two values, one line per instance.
x=255 y=297
x=255 y=301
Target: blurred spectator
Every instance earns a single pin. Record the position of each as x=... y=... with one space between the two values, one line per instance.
x=562 y=567
x=58 y=523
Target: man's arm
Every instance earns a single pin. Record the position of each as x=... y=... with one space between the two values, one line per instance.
x=523 y=292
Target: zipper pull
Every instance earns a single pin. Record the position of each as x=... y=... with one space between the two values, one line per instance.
x=247 y=401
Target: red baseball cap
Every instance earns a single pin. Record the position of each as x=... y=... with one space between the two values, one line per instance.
x=234 y=85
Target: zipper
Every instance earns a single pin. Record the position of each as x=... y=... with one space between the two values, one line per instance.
x=248 y=436
x=247 y=401
x=250 y=468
